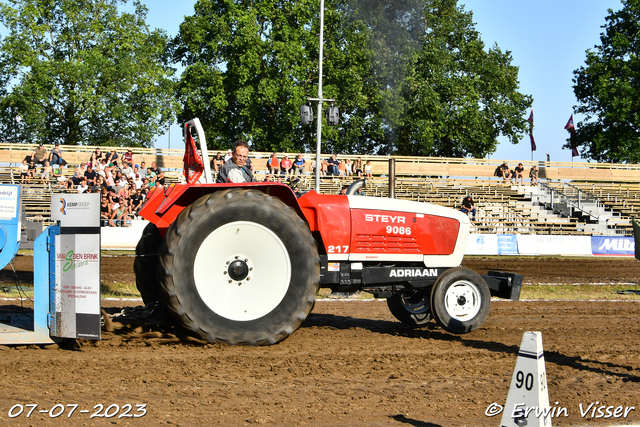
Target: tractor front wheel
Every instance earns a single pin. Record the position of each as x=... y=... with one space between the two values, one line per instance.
x=460 y=300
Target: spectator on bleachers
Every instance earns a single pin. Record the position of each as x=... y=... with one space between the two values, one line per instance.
x=348 y=165
x=273 y=164
x=137 y=180
x=46 y=172
x=299 y=165
x=469 y=206
x=143 y=170
x=90 y=175
x=357 y=167
x=112 y=157
x=127 y=157
x=217 y=162
x=519 y=173
x=333 y=165
x=152 y=180
x=122 y=192
x=101 y=183
x=160 y=178
x=32 y=169
x=533 y=174
x=96 y=157
x=368 y=170
x=126 y=170
x=39 y=155
x=105 y=209
x=285 y=166
x=136 y=202
x=228 y=155
x=342 y=168
x=118 y=214
x=505 y=172
x=59 y=174
x=102 y=165
x=24 y=173
x=82 y=187
x=109 y=180
x=120 y=180
x=55 y=157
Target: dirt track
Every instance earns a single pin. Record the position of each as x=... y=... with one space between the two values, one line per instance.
x=350 y=364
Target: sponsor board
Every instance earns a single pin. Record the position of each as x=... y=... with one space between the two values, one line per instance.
x=617 y=246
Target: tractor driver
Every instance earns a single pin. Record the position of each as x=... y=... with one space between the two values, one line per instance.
x=236 y=169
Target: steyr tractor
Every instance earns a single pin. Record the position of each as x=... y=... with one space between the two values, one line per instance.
x=242 y=263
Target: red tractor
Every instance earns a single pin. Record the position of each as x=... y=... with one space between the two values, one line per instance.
x=242 y=263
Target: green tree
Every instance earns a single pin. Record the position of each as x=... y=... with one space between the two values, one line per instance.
x=403 y=73
x=607 y=88
x=460 y=97
x=81 y=72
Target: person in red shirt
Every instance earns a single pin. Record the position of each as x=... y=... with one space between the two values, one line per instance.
x=285 y=165
x=128 y=157
x=273 y=164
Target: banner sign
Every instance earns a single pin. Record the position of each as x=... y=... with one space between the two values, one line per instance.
x=617 y=246
x=76 y=284
x=532 y=244
x=507 y=244
x=482 y=244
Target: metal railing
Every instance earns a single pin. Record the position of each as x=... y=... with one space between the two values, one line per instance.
x=569 y=199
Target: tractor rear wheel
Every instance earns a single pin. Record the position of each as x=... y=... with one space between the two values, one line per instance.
x=240 y=267
x=146 y=264
x=460 y=300
x=411 y=307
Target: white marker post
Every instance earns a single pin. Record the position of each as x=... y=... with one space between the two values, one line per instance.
x=528 y=398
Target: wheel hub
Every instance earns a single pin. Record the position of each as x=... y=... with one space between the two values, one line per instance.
x=238 y=269
x=462 y=300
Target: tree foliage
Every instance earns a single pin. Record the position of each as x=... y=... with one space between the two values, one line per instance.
x=607 y=88
x=80 y=72
x=409 y=76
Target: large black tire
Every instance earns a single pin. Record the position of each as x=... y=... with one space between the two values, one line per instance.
x=460 y=300
x=146 y=264
x=239 y=267
x=411 y=307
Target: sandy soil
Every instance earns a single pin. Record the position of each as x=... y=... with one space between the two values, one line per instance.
x=350 y=364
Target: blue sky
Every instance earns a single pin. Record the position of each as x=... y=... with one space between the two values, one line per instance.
x=547 y=40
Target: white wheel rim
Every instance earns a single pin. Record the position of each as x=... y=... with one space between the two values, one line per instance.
x=264 y=287
x=462 y=300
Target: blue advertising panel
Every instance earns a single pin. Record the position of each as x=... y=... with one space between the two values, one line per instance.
x=617 y=246
x=507 y=244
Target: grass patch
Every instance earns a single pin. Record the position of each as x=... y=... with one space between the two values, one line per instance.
x=12 y=291
x=536 y=292
x=119 y=290
x=110 y=290
x=579 y=292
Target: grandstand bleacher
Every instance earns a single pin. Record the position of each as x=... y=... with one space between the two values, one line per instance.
x=572 y=198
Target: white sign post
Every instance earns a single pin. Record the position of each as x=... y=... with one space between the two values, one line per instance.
x=77 y=266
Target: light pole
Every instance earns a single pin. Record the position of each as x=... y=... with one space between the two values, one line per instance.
x=319 y=118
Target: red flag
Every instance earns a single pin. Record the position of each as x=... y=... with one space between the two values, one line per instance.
x=533 y=142
x=570 y=126
x=193 y=166
x=572 y=130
